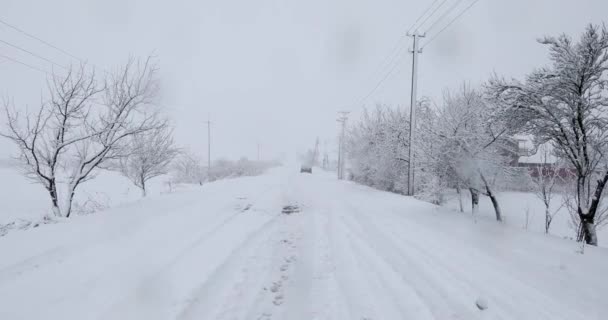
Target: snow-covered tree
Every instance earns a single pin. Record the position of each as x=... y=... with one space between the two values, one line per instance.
x=81 y=126
x=474 y=144
x=189 y=168
x=377 y=149
x=546 y=177
x=566 y=104
x=433 y=176
x=150 y=155
x=464 y=143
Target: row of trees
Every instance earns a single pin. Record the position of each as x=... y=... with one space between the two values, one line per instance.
x=91 y=123
x=467 y=142
x=190 y=169
x=84 y=125
x=463 y=143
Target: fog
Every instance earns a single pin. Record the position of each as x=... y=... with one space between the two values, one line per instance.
x=275 y=73
x=490 y=206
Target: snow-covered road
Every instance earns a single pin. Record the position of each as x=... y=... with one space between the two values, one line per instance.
x=226 y=251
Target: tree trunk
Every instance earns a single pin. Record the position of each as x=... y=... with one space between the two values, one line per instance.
x=590 y=234
x=459 y=191
x=474 y=200
x=496 y=206
x=52 y=189
x=547 y=219
x=588 y=220
x=492 y=196
x=68 y=205
x=142 y=183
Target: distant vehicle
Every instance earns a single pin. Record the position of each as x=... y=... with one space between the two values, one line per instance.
x=305 y=169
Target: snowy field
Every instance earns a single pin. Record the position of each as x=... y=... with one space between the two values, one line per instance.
x=226 y=251
x=24 y=199
x=514 y=206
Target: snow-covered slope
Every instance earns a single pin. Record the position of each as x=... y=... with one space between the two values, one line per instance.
x=225 y=251
x=21 y=198
x=526 y=211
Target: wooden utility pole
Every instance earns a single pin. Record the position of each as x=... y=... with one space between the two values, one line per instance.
x=342 y=119
x=410 y=172
x=209 y=149
x=259 y=159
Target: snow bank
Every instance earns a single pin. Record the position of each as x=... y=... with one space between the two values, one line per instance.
x=524 y=210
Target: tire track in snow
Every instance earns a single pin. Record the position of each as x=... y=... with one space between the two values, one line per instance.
x=462 y=287
x=273 y=295
x=393 y=299
x=241 y=285
x=184 y=251
x=511 y=295
x=212 y=295
x=415 y=274
x=351 y=278
x=317 y=292
x=278 y=276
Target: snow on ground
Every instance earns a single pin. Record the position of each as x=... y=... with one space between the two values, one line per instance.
x=20 y=198
x=23 y=199
x=514 y=206
x=226 y=251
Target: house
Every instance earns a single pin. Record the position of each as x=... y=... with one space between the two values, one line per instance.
x=540 y=160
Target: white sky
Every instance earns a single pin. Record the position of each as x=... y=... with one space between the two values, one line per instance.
x=275 y=72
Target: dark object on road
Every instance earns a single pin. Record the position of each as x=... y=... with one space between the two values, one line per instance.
x=481 y=304
x=290 y=209
x=305 y=169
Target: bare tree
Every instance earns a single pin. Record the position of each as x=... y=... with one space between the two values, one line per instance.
x=151 y=154
x=545 y=178
x=81 y=127
x=566 y=104
x=43 y=138
x=188 y=168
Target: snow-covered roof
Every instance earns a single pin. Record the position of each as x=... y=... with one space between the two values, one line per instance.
x=541 y=154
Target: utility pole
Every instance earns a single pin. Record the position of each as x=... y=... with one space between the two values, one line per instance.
x=259 y=153
x=325 y=156
x=410 y=166
x=315 y=156
x=342 y=119
x=208 y=149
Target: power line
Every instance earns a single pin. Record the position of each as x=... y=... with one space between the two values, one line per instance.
x=40 y=40
x=24 y=64
x=432 y=14
x=422 y=15
x=379 y=83
x=389 y=60
x=33 y=54
x=397 y=47
x=454 y=5
x=81 y=60
x=449 y=23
